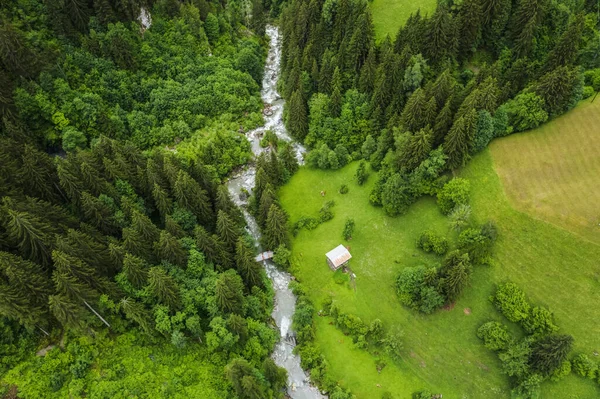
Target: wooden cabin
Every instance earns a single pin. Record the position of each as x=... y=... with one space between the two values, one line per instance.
x=338 y=257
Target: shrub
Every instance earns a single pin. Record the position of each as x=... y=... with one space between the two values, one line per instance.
x=588 y=91
x=454 y=193
x=392 y=343
x=348 y=229
x=477 y=245
x=584 y=366
x=325 y=212
x=413 y=290
x=361 y=173
x=424 y=394
x=282 y=256
x=562 y=371
x=540 y=322
x=515 y=359
x=511 y=301
x=431 y=242
x=344 y=189
x=495 y=336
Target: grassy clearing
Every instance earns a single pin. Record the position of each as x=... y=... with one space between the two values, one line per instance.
x=553 y=172
x=389 y=15
x=555 y=268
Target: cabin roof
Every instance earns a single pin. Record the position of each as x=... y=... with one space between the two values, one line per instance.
x=338 y=256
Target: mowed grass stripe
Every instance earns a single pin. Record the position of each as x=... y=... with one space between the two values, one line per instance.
x=553 y=172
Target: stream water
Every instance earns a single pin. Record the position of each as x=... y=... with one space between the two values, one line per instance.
x=299 y=386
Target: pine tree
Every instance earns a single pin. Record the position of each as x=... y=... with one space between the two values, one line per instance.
x=246 y=266
x=443 y=123
x=227 y=230
x=144 y=227
x=442 y=88
x=173 y=228
x=163 y=287
x=297 y=120
x=162 y=200
x=28 y=277
x=191 y=196
x=70 y=180
x=412 y=115
x=455 y=281
x=526 y=20
x=135 y=270
x=366 y=81
x=550 y=352
x=276 y=231
x=565 y=50
x=135 y=243
x=211 y=248
x=417 y=149
x=80 y=244
x=430 y=112
x=97 y=213
x=170 y=249
x=136 y=312
x=15 y=304
x=560 y=89
x=68 y=314
x=224 y=203
x=267 y=199
x=38 y=175
x=288 y=159
x=457 y=144
x=442 y=35
x=470 y=21
x=31 y=235
x=229 y=292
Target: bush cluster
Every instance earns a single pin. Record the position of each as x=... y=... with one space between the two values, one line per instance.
x=431 y=242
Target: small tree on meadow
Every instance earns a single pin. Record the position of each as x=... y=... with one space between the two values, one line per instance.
x=348 y=229
x=361 y=173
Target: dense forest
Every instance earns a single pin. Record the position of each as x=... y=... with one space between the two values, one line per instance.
x=422 y=103
x=118 y=241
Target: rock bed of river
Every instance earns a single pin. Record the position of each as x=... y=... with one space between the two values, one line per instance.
x=299 y=386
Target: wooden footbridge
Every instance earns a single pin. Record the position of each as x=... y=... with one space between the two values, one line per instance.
x=264 y=256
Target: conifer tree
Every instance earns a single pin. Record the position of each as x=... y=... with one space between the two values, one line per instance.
x=442 y=35
x=267 y=199
x=135 y=243
x=288 y=160
x=31 y=235
x=173 y=228
x=457 y=143
x=456 y=279
x=297 y=120
x=246 y=266
x=443 y=123
x=526 y=20
x=68 y=314
x=97 y=213
x=70 y=180
x=162 y=200
x=136 y=312
x=430 y=112
x=79 y=244
x=417 y=148
x=412 y=115
x=163 y=287
x=191 y=196
x=210 y=247
x=366 y=80
x=560 y=89
x=470 y=20
x=565 y=50
x=26 y=276
x=227 y=230
x=550 y=352
x=229 y=292
x=38 y=175
x=15 y=304
x=224 y=203
x=336 y=94
x=276 y=231
x=135 y=270
x=170 y=249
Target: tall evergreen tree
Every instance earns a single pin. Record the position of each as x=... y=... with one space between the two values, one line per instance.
x=135 y=269
x=227 y=230
x=458 y=141
x=229 y=292
x=191 y=196
x=550 y=352
x=246 y=266
x=276 y=231
x=170 y=249
x=163 y=287
x=297 y=120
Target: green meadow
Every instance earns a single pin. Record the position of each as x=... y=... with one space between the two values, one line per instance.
x=389 y=15
x=441 y=351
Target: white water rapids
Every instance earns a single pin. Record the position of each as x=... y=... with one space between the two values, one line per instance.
x=299 y=386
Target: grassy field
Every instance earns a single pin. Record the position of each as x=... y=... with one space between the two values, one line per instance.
x=442 y=352
x=553 y=172
x=389 y=15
